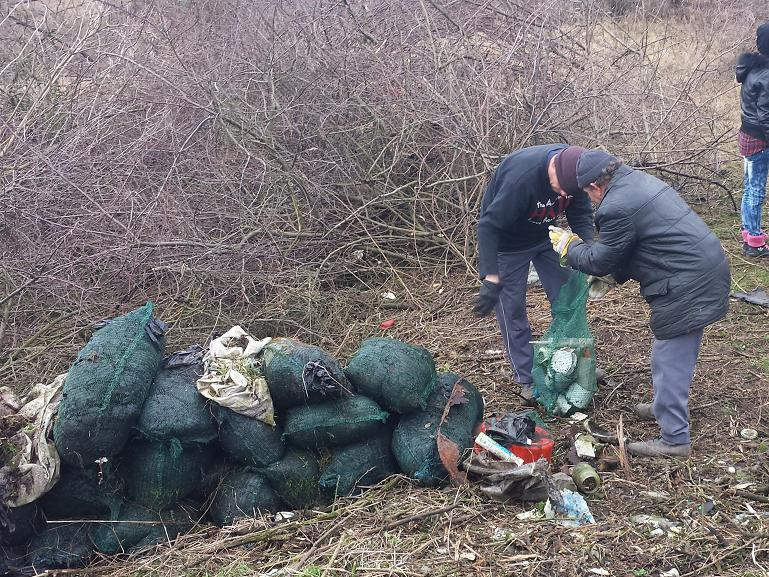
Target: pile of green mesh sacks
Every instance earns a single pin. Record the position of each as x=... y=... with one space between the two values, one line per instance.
x=146 y=457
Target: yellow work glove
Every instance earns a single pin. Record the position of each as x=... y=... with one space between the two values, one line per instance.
x=561 y=239
x=598 y=286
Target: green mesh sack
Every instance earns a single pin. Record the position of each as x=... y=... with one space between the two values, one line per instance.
x=295 y=478
x=137 y=526
x=249 y=441
x=334 y=423
x=357 y=465
x=174 y=408
x=242 y=494
x=299 y=374
x=64 y=546
x=564 y=358
x=159 y=474
x=106 y=387
x=414 y=442
x=83 y=494
x=396 y=375
x=18 y=524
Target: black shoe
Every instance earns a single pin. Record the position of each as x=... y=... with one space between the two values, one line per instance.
x=755 y=251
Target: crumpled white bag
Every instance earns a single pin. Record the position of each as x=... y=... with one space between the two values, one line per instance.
x=233 y=376
x=34 y=466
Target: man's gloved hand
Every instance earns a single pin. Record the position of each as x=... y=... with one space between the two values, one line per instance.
x=561 y=239
x=487 y=298
x=598 y=286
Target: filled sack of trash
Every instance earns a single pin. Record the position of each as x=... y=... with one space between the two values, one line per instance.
x=295 y=478
x=358 y=465
x=174 y=408
x=61 y=546
x=300 y=374
x=415 y=444
x=248 y=440
x=242 y=494
x=396 y=375
x=334 y=423
x=564 y=371
x=83 y=494
x=106 y=387
x=137 y=526
x=159 y=474
x=18 y=524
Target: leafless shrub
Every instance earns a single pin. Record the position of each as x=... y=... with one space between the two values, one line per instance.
x=248 y=161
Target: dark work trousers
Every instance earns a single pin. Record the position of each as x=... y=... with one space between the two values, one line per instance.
x=511 y=309
x=673 y=363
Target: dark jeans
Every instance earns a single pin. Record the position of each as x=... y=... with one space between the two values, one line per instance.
x=511 y=309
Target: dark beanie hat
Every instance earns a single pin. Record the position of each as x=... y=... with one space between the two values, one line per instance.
x=762 y=39
x=590 y=165
x=566 y=168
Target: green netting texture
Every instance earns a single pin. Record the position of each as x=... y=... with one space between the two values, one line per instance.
x=295 y=478
x=21 y=524
x=358 y=465
x=414 y=441
x=83 y=494
x=564 y=358
x=334 y=423
x=242 y=494
x=397 y=375
x=158 y=474
x=174 y=408
x=106 y=388
x=299 y=374
x=248 y=440
x=138 y=526
x=61 y=547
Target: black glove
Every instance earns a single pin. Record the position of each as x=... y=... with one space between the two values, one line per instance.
x=487 y=298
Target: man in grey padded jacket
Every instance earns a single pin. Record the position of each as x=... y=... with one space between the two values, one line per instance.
x=648 y=233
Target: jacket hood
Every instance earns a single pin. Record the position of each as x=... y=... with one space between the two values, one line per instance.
x=747 y=62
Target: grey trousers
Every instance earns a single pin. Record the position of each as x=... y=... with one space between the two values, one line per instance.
x=673 y=362
x=511 y=309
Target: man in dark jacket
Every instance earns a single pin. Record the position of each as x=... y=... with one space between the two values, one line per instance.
x=648 y=233
x=524 y=197
x=753 y=139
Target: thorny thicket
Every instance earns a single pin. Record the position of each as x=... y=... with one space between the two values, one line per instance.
x=248 y=161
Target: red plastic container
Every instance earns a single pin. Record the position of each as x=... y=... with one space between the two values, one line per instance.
x=541 y=446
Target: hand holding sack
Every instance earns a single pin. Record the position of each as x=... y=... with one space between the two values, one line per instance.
x=487 y=298
x=598 y=286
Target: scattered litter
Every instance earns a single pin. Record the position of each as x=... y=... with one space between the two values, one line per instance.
x=657 y=495
x=490 y=445
x=511 y=428
x=578 y=418
x=284 y=515
x=731 y=470
x=757 y=296
x=504 y=481
x=532 y=515
x=599 y=433
x=749 y=434
x=533 y=277
x=388 y=296
x=585 y=446
x=598 y=571
x=572 y=511
x=744 y=485
x=659 y=525
x=586 y=478
x=670 y=573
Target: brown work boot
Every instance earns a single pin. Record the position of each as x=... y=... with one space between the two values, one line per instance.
x=527 y=395
x=659 y=448
x=644 y=412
